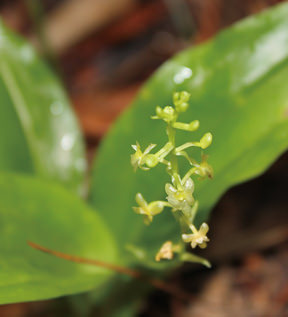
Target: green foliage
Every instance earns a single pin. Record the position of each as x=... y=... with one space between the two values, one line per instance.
x=47 y=214
x=39 y=132
x=238 y=91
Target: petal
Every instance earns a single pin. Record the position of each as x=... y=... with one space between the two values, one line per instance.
x=144 y=168
x=204 y=229
x=187 y=237
x=193 y=244
x=140 y=200
x=174 y=202
x=134 y=161
x=189 y=199
x=148 y=219
x=149 y=148
x=189 y=185
x=187 y=209
x=137 y=210
x=170 y=190
x=134 y=147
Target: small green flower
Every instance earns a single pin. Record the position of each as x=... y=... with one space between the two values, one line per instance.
x=138 y=159
x=148 y=210
x=198 y=237
x=181 y=198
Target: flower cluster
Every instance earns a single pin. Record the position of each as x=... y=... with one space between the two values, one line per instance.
x=180 y=197
x=180 y=191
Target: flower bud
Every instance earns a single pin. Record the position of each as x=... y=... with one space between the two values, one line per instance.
x=168 y=113
x=181 y=100
x=194 y=125
x=206 y=140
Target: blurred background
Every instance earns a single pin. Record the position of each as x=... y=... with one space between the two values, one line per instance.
x=103 y=50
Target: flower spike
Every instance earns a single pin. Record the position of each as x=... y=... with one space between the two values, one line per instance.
x=180 y=190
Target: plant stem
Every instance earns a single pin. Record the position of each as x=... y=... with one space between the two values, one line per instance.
x=173 y=157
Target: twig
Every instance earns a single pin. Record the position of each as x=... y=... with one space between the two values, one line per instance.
x=73 y=20
x=166 y=287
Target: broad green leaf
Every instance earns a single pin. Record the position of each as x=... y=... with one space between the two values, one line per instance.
x=49 y=215
x=238 y=83
x=39 y=132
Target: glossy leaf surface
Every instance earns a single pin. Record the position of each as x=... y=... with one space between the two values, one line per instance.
x=39 y=132
x=49 y=215
x=238 y=86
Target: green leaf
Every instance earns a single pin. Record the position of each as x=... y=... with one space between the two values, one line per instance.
x=49 y=215
x=238 y=86
x=39 y=132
